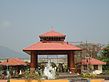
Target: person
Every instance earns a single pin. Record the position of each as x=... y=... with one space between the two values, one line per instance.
x=4 y=74
x=8 y=74
x=20 y=72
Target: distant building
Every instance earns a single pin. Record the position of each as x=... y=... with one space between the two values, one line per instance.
x=13 y=62
x=55 y=60
x=91 y=65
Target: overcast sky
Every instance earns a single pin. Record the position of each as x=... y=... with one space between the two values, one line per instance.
x=21 y=21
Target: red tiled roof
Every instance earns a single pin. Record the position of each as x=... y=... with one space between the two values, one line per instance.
x=13 y=62
x=52 y=46
x=92 y=61
x=52 y=34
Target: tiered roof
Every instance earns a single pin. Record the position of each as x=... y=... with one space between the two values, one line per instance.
x=52 y=40
x=52 y=46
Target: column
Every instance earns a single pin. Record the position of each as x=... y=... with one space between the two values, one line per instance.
x=34 y=61
x=71 y=64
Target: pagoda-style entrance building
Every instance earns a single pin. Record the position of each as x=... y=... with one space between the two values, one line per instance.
x=52 y=43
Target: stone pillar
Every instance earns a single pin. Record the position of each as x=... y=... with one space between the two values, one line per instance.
x=71 y=63
x=34 y=61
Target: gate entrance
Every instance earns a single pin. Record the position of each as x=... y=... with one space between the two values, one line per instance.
x=52 y=43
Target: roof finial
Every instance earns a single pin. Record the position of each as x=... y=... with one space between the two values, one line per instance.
x=52 y=28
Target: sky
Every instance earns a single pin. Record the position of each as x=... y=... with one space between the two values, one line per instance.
x=21 y=21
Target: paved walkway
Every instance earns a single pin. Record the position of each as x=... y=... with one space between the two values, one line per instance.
x=3 y=80
x=106 y=81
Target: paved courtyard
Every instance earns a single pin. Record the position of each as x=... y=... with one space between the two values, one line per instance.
x=3 y=80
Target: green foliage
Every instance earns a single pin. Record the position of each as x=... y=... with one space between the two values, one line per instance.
x=105 y=67
x=53 y=64
x=104 y=56
x=105 y=59
x=105 y=51
x=60 y=67
x=106 y=72
x=29 y=75
x=88 y=75
x=8 y=80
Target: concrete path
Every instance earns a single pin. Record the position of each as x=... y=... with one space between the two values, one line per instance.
x=3 y=80
x=106 y=81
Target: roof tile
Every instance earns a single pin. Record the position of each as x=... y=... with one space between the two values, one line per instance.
x=52 y=46
x=13 y=62
x=52 y=34
x=92 y=61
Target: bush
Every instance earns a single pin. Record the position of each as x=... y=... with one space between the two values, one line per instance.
x=88 y=75
x=106 y=72
x=28 y=75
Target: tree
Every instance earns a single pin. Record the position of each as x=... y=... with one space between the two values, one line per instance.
x=105 y=54
x=90 y=49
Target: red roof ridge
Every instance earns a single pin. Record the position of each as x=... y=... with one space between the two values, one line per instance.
x=92 y=61
x=52 y=33
x=13 y=62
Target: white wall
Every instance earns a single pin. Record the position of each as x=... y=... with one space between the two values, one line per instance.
x=98 y=71
x=93 y=71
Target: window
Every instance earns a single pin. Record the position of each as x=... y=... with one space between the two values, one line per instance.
x=95 y=67
x=85 y=67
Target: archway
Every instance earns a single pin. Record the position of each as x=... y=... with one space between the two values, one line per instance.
x=52 y=43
